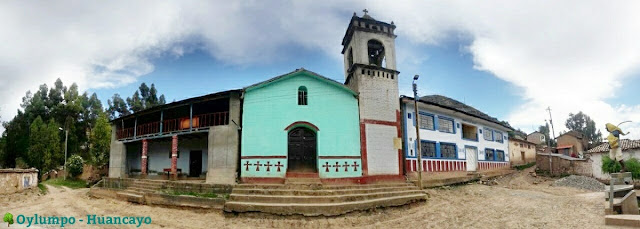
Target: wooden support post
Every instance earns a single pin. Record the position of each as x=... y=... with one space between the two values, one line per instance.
x=135 y=128
x=174 y=157
x=145 y=147
x=190 y=116
x=161 y=120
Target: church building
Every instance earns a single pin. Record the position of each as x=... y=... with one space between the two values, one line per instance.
x=299 y=124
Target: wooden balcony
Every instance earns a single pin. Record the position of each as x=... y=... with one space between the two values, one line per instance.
x=174 y=125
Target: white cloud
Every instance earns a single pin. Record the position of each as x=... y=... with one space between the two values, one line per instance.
x=567 y=55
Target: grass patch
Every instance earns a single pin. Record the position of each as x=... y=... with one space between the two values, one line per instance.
x=70 y=183
x=525 y=166
x=43 y=188
x=196 y=194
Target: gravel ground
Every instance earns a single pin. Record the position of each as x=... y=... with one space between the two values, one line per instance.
x=521 y=200
x=580 y=182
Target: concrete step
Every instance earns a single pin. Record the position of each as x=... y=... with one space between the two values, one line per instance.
x=316 y=186
x=327 y=209
x=622 y=220
x=142 y=190
x=147 y=186
x=130 y=196
x=320 y=199
x=303 y=180
x=319 y=192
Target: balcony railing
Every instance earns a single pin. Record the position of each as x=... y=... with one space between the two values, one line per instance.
x=173 y=125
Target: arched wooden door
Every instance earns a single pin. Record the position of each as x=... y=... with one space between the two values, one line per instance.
x=302 y=154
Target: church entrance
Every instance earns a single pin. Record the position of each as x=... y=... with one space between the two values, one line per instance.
x=302 y=154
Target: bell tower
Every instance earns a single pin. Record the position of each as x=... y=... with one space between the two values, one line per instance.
x=370 y=70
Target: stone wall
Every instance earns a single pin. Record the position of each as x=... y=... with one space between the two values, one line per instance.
x=16 y=180
x=562 y=165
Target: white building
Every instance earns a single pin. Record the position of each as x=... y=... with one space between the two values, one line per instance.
x=454 y=136
x=630 y=149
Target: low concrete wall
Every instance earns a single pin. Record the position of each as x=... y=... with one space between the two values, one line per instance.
x=183 y=201
x=163 y=199
x=123 y=183
x=16 y=180
x=562 y=165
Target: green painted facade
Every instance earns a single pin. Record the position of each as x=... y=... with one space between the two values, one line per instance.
x=271 y=106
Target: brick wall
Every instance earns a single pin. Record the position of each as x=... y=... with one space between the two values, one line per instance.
x=564 y=165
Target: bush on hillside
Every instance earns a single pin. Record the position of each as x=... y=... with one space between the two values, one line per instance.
x=75 y=165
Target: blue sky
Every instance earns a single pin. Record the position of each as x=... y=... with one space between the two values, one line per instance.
x=511 y=61
x=448 y=71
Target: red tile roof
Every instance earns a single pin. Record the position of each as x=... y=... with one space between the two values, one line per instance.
x=625 y=144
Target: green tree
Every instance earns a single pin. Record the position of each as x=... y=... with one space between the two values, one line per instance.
x=100 y=141
x=582 y=123
x=8 y=218
x=135 y=102
x=38 y=143
x=117 y=106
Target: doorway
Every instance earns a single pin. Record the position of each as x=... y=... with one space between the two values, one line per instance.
x=524 y=160
x=195 y=163
x=302 y=155
x=472 y=158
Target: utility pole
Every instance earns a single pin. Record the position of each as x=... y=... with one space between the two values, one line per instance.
x=66 y=137
x=551 y=121
x=419 y=150
x=549 y=145
x=553 y=132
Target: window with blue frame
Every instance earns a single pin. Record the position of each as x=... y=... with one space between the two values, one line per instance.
x=445 y=125
x=498 y=136
x=499 y=155
x=426 y=122
x=448 y=150
x=489 y=154
x=428 y=149
x=488 y=134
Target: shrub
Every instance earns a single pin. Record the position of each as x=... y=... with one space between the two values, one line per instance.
x=610 y=166
x=21 y=164
x=632 y=165
x=74 y=165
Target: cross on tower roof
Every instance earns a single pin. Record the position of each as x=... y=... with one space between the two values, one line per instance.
x=365 y=11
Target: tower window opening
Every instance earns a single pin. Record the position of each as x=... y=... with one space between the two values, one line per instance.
x=302 y=96
x=376 y=53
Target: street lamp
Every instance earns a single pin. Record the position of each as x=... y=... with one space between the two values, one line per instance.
x=419 y=150
x=66 y=137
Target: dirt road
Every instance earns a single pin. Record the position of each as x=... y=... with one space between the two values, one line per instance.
x=515 y=202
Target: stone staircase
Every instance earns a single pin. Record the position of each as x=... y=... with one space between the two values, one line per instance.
x=317 y=199
x=134 y=192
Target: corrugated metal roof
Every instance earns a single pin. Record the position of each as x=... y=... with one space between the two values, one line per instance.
x=452 y=104
x=625 y=144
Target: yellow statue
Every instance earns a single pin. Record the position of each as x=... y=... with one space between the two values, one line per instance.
x=615 y=152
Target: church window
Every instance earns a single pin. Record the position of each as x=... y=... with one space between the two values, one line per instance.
x=302 y=95
x=376 y=52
